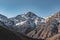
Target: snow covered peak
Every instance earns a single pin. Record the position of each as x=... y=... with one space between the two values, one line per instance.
x=29 y=14
x=5 y=20
x=2 y=15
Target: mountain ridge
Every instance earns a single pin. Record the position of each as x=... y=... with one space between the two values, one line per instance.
x=34 y=26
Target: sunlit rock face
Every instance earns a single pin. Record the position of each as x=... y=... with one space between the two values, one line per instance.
x=48 y=29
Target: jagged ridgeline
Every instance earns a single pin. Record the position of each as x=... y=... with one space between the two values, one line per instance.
x=20 y=24
x=30 y=27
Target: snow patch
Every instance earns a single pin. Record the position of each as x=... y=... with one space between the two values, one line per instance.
x=36 y=20
x=20 y=23
x=42 y=20
x=58 y=19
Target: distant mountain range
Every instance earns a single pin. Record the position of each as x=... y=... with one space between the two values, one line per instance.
x=33 y=26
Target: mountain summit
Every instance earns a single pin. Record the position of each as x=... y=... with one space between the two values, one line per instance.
x=26 y=22
x=30 y=14
x=22 y=23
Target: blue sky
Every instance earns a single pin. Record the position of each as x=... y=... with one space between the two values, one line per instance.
x=41 y=8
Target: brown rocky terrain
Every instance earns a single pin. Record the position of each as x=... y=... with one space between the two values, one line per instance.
x=49 y=30
x=55 y=37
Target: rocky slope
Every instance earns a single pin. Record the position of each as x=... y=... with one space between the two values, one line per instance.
x=22 y=23
x=26 y=22
x=6 y=21
x=6 y=34
x=48 y=29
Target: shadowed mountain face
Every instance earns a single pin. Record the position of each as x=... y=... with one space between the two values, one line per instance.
x=6 y=34
x=30 y=27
